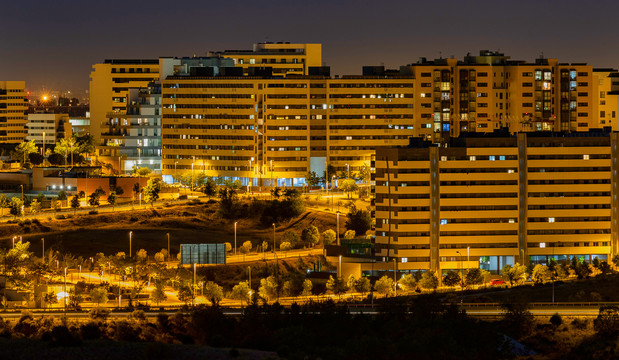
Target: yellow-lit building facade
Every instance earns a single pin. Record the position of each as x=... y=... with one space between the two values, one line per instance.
x=493 y=201
x=489 y=92
x=283 y=57
x=13 y=112
x=267 y=130
x=110 y=84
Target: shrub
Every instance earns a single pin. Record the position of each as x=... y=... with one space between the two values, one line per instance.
x=60 y=217
x=556 y=320
x=93 y=212
x=607 y=322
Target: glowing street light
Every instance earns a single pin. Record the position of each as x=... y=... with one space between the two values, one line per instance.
x=130 y=238
x=337 y=233
x=235 y=238
x=168 y=234
x=273 y=238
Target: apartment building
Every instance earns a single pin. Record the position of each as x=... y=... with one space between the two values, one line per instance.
x=48 y=128
x=488 y=92
x=488 y=201
x=606 y=89
x=110 y=84
x=13 y=111
x=267 y=130
x=283 y=57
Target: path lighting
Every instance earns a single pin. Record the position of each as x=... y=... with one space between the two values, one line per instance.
x=130 y=238
x=235 y=238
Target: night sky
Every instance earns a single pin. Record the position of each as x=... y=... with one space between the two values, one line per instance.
x=52 y=44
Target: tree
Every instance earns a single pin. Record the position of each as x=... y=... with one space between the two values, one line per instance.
x=452 y=278
x=93 y=199
x=55 y=159
x=307 y=287
x=348 y=185
x=35 y=158
x=142 y=171
x=312 y=179
x=362 y=285
x=228 y=203
x=15 y=206
x=67 y=147
x=276 y=192
x=475 y=276
x=246 y=247
x=541 y=274
x=240 y=292
x=328 y=237
x=213 y=292
x=118 y=190
x=358 y=220
x=4 y=203
x=268 y=288
x=75 y=203
x=365 y=176
x=152 y=190
x=408 y=283
x=285 y=246
x=35 y=206
x=62 y=195
x=98 y=295
x=384 y=286
x=607 y=322
x=350 y=234
x=50 y=299
x=111 y=199
x=310 y=236
x=23 y=150
x=185 y=294
x=336 y=286
x=291 y=237
x=228 y=246
x=210 y=188
x=429 y=280
x=514 y=274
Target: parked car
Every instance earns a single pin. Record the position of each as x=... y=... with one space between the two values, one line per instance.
x=497 y=282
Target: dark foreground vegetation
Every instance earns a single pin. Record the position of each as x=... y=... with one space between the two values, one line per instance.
x=426 y=327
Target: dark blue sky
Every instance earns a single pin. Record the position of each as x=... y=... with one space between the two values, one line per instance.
x=53 y=44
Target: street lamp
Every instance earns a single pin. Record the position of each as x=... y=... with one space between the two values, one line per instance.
x=235 y=238
x=192 y=162
x=332 y=189
x=130 y=238
x=175 y=177
x=43 y=242
x=348 y=176
x=273 y=238
x=337 y=233
x=168 y=234
x=14 y=237
x=194 y=284
x=461 y=268
x=64 y=289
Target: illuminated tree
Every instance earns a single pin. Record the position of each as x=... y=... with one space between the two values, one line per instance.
x=328 y=237
x=429 y=280
x=75 y=203
x=240 y=292
x=268 y=288
x=514 y=274
x=452 y=278
x=152 y=190
x=22 y=150
x=384 y=286
x=213 y=292
x=98 y=295
x=310 y=235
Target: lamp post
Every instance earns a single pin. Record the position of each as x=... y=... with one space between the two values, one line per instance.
x=14 y=237
x=192 y=162
x=461 y=267
x=271 y=168
x=43 y=149
x=348 y=175
x=168 y=234
x=332 y=189
x=175 y=177
x=249 y=274
x=194 y=285
x=337 y=233
x=130 y=238
x=235 y=238
x=395 y=280
x=22 y=192
x=64 y=290
x=43 y=251
x=273 y=239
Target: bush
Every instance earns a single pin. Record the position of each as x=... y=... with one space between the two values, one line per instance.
x=607 y=322
x=93 y=212
x=60 y=217
x=556 y=320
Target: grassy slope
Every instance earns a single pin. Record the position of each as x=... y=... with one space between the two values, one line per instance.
x=85 y=235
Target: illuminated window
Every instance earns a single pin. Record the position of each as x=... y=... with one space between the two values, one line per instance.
x=542 y=245
x=404 y=260
x=511 y=221
x=502 y=157
x=472 y=158
x=443 y=158
x=585 y=157
x=551 y=220
x=443 y=221
x=252 y=61
x=491 y=157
